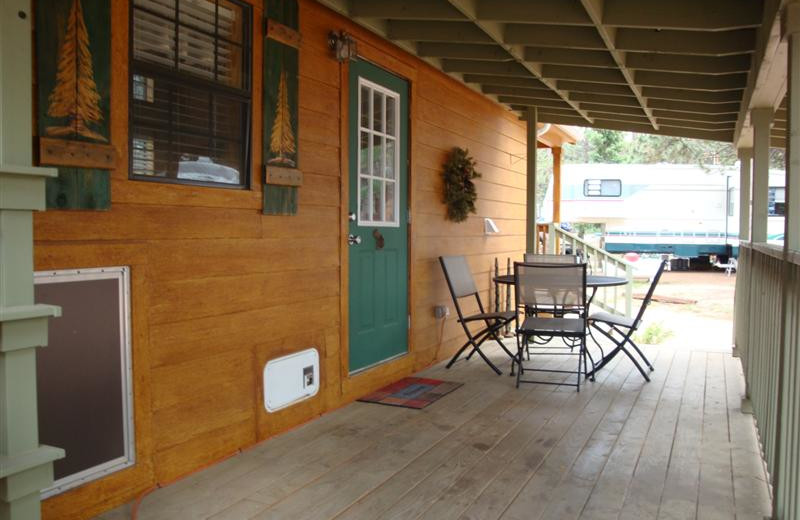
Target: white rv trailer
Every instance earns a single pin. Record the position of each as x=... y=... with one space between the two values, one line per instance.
x=679 y=209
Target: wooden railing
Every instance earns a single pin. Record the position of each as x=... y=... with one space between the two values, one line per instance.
x=617 y=300
x=767 y=337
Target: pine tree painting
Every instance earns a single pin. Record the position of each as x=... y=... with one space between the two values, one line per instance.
x=74 y=105
x=282 y=144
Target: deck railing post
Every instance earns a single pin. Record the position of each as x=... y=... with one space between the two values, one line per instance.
x=551 y=238
x=25 y=466
x=762 y=121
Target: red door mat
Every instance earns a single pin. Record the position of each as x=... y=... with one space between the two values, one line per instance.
x=411 y=392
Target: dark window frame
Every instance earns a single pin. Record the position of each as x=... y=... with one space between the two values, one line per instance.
x=586 y=192
x=174 y=76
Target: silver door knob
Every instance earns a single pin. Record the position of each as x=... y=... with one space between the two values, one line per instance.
x=353 y=239
x=351 y=217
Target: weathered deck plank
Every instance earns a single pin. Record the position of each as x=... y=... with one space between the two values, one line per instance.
x=677 y=447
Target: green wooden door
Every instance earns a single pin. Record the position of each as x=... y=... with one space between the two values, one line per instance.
x=378 y=208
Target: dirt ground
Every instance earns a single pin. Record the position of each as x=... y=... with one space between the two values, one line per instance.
x=706 y=324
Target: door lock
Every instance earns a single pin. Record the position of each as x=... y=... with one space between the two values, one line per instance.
x=351 y=216
x=353 y=239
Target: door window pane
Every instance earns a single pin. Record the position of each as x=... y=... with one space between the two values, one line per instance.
x=363 y=211
x=390 y=158
x=391 y=110
x=390 y=201
x=377 y=156
x=377 y=111
x=365 y=99
x=377 y=200
x=363 y=153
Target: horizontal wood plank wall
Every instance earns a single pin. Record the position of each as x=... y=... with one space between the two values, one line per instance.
x=218 y=288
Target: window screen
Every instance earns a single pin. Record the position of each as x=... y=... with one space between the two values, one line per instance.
x=190 y=90
x=602 y=188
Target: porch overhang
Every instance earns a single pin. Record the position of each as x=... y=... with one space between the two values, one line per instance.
x=680 y=68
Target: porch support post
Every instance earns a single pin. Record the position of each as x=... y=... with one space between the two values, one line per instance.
x=556 y=151
x=25 y=466
x=761 y=119
x=745 y=174
x=791 y=31
x=531 y=232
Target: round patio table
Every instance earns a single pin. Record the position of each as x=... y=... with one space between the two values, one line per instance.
x=592 y=280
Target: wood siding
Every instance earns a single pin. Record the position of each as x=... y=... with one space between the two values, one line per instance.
x=218 y=288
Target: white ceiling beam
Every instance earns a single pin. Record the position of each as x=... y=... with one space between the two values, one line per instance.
x=698 y=96
x=592 y=74
x=688 y=64
x=496 y=31
x=594 y=8
x=602 y=99
x=598 y=107
x=699 y=15
x=686 y=42
x=404 y=10
x=561 y=12
x=559 y=36
x=700 y=108
x=435 y=31
x=466 y=51
x=595 y=88
x=694 y=116
x=489 y=79
x=520 y=92
x=691 y=81
x=580 y=57
x=495 y=68
x=531 y=102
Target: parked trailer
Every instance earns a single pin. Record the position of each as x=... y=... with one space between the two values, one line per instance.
x=677 y=209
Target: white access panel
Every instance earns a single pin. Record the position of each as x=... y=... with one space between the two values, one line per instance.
x=291 y=379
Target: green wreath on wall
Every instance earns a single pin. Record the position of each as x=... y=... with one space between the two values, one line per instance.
x=459 y=190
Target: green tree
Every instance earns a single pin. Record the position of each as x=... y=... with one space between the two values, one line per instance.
x=606 y=146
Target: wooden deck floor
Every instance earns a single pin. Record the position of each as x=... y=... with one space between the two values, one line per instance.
x=675 y=448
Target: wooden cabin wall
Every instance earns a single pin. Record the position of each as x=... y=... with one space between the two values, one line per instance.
x=218 y=288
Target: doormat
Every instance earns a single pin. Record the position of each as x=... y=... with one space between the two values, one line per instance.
x=411 y=392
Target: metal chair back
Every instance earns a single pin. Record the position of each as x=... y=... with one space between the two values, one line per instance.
x=649 y=295
x=531 y=258
x=459 y=277
x=550 y=285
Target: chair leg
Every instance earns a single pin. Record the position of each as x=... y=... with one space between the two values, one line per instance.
x=457 y=354
x=636 y=363
x=519 y=359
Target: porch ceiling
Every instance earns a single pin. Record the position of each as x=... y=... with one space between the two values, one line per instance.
x=677 y=68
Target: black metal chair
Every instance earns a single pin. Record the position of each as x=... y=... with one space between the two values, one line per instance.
x=624 y=328
x=461 y=285
x=556 y=286
x=549 y=258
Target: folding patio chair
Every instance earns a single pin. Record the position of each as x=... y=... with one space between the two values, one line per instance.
x=624 y=328
x=556 y=286
x=535 y=258
x=461 y=285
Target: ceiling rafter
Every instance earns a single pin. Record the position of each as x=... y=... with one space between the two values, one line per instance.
x=689 y=15
x=594 y=8
x=495 y=31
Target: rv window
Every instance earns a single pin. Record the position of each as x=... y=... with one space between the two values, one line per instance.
x=602 y=188
x=190 y=91
x=731 y=207
x=777 y=202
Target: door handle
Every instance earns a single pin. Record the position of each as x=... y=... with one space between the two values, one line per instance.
x=353 y=239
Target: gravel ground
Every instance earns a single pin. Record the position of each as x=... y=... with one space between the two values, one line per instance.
x=707 y=324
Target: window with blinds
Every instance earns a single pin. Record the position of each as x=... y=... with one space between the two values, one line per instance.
x=190 y=91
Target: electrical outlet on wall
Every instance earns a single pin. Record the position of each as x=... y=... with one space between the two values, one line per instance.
x=308 y=376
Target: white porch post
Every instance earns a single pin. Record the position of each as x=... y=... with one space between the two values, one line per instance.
x=745 y=173
x=762 y=121
x=531 y=234
x=791 y=30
